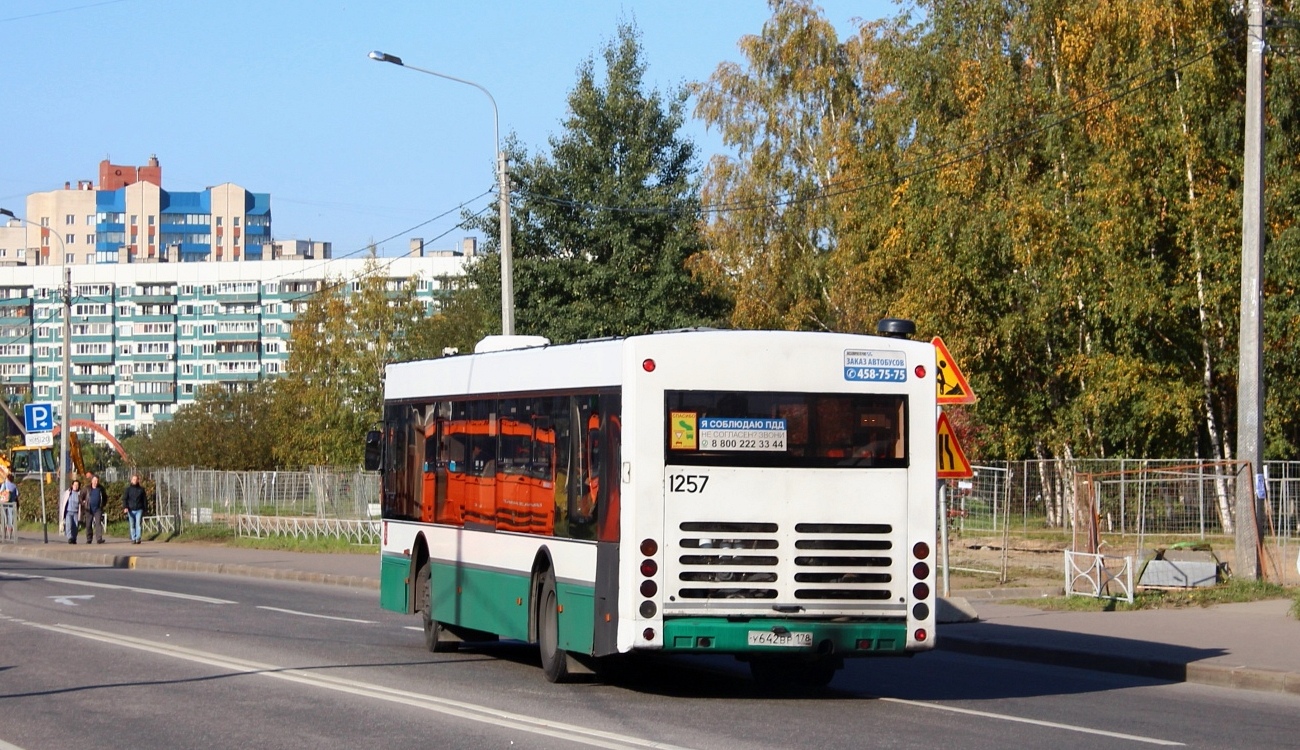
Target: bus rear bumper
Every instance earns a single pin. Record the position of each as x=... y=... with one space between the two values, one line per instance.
x=777 y=637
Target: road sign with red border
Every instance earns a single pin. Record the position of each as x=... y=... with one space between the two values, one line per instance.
x=951 y=386
x=951 y=459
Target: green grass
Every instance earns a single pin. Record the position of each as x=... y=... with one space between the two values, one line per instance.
x=305 y=544
x=1228 y=593
x=219 y=534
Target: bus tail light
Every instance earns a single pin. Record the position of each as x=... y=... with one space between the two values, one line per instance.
x=648 y=365
x=920 y=371
x=649 y=547
x=649 y=568
x=648 y=634
x=921 y=550
x=920 y=635
x=921 y=590
x=921 y=570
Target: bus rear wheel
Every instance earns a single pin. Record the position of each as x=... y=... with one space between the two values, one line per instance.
x=555 y=662
x=436 y=637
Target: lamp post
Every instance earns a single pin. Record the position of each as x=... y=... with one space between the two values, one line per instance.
x=64 y=405
x=503 y=193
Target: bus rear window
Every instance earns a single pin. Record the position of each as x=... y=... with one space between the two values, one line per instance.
x=823 y=430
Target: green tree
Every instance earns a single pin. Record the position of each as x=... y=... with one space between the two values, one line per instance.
x=342 y=340
x=1049 y=185
x=222 y=429
x=605 y=224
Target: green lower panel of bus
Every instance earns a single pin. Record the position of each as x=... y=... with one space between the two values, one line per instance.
x=493 y=601
x=775 y=636
x=393 y=586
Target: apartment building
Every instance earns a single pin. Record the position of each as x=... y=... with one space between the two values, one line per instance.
x=171 y=291
x=146 y=337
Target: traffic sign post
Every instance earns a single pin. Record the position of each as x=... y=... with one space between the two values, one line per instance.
x=952 y=463
x=39 y=417
x=951 y=386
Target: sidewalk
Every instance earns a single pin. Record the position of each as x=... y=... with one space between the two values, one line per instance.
x=1253 y=646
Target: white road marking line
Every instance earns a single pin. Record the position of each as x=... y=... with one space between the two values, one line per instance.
x=68 y=600
x=312 y=614
x=1035 y=722
x=470 y=711
x=6 y=746
x=91 y=584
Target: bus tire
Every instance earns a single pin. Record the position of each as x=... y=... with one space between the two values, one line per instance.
x=555 y=662
x=436 y=636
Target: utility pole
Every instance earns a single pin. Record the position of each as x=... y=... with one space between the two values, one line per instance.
x=65 y=405
x=1250 y=381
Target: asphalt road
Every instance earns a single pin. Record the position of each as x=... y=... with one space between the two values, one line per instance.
x=97 y=657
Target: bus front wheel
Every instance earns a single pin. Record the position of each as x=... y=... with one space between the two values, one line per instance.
x=555 y=662
x=436 y=637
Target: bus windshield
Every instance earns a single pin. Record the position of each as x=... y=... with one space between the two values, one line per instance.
x=766 y=429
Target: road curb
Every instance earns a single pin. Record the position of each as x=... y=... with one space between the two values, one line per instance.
x=145 y=562
x=1242 y=678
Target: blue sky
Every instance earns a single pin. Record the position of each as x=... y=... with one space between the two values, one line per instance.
x=279 y=97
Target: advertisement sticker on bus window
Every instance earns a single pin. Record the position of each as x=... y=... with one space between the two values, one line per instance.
x=683 y=433
x=741 y=434
x=880 y=366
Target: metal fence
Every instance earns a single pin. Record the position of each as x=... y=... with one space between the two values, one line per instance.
x=1140 y=496
x=1137 y=503
x=317 y=502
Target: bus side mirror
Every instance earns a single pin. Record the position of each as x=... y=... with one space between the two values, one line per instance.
x=374 y=450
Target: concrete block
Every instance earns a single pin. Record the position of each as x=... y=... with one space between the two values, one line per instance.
x=954 y=609
x=1179 y=573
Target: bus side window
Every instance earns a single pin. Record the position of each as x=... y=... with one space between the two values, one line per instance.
x=611 y=465
x=584 y=480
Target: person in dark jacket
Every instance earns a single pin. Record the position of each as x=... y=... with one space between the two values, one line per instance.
x=134 y=501
x=96 y=501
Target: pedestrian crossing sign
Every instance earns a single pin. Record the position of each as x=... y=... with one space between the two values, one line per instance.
x=951 y=459
x=950 y=383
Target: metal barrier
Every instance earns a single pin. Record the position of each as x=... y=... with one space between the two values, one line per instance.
x=1088 y=574
x=8 y=522
x=159 y=525
x=359 y=532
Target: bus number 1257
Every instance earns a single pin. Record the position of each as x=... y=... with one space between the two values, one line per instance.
x=687 y=482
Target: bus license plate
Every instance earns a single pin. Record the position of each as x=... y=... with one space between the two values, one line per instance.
x=768 y=638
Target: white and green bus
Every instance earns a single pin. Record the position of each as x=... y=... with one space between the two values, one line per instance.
x=768 y=495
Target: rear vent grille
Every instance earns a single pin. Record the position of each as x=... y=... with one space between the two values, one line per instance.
x=837 y=570
x=829 y=562
x=723 y=555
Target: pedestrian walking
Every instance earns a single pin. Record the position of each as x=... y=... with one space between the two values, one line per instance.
x=70 y=511
x=8 y=506
x=133 y=500
x=96 y=501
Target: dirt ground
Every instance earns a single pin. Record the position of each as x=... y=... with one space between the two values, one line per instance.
x=982 y=563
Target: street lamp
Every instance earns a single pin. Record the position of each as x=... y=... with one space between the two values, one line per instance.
x=503 y=193
x=64 y=405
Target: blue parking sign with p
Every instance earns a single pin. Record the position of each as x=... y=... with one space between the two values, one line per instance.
x=39 y=417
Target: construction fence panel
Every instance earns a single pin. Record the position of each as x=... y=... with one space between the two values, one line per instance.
x=204 y=496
